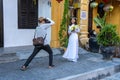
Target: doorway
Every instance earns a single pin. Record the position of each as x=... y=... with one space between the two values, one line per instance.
x=74 y=6
x=1 y=23
x=90 y=18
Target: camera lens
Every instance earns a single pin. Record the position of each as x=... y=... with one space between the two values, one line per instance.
x=47 y=21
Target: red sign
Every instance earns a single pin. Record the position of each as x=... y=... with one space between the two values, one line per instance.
x=58 y=1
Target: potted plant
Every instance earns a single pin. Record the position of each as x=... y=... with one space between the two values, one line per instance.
x=107 y=38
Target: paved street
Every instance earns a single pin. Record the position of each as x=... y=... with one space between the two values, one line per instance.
x=87 y=66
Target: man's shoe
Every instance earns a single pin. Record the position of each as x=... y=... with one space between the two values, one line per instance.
x=23 y=68
x=51 y=66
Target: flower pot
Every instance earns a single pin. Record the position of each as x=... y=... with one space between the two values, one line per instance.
x=107 y=52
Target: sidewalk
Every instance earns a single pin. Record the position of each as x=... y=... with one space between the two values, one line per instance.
x=11 y=54
x=90 y=66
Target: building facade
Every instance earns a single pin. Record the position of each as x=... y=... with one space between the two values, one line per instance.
x=113 y=16
x=18 y=19
x=85 y=14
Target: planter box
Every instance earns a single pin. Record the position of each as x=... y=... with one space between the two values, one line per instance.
x=108 y=52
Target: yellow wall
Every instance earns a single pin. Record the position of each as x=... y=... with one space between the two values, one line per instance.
x=112 y=17
x=57 y=12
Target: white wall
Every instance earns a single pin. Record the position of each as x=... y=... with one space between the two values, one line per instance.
x=45 y=11
x=12 y=35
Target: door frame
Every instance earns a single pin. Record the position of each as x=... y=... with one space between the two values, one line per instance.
x=1 y=25
x=90 y=17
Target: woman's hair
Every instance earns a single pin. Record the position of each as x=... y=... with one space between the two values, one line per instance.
x=74 y=19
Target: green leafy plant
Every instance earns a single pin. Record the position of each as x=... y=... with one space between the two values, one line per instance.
x=107 y=38
x=107 y=35
x=63 y=27
x=100 y=21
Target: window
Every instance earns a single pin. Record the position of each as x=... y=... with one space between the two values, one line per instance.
x=27 y=14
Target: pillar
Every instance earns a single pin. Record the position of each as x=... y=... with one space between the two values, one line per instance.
x=56 y=11
x=84 y=21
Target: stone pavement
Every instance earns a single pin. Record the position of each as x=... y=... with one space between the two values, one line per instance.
x=90 y=66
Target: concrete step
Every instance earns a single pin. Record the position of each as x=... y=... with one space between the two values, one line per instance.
x=113 y=77
x=23 y=52
x=11 y=54
x=4 y=58
x=98 y=74
x=42 y=53
x=90 y=66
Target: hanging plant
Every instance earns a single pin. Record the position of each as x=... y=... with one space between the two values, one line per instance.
x=63 y=27
x=93 y=4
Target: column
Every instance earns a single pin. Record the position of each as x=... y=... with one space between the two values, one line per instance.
x=84 y=21
x=57 y=11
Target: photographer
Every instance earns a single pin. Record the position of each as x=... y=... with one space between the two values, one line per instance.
x=41 y=31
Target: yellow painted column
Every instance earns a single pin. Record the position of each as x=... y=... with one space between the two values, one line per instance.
x=56 y=11
x=84 y=21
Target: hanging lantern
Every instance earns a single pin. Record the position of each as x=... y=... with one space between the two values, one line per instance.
x=108 y=7
x=111 y=8
x=100 y=10
x=93 y=4
x=58 y=1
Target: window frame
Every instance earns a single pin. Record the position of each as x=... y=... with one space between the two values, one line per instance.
x=25 y=10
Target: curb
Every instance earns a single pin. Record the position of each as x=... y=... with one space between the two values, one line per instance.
x=19 y=55
x=95 y=74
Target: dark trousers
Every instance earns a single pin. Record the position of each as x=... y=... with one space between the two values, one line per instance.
x=36 y=50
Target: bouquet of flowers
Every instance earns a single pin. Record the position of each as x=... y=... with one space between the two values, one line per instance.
x=74 y=27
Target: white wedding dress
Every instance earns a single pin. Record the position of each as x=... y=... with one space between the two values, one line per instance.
x=71 y=52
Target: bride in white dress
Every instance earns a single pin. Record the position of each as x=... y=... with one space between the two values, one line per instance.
x=71 y=52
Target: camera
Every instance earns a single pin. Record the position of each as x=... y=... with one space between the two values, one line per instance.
x=47 y=21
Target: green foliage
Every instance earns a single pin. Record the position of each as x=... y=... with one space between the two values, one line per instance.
x=108 y=36
x=63 y=27
x=100 y=21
